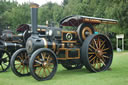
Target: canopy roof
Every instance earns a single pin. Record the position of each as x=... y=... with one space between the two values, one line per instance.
x=78 y=19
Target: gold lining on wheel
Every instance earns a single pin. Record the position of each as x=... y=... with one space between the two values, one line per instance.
x=83 y=32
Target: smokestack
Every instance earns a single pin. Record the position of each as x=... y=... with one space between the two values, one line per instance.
x=34 y=14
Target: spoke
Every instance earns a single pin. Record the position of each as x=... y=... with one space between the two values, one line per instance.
x=48 y=58
x=102 y=44
x=105 y=56
x=99 y=65
x=20 y=57
x=94 y=63
x=99 y=42
x=45 y=73
x=38 y=62
x=18 y=67
x=102 y=62
x=21 y=69
x=105 y=49
x=103 y=59
x=36 y=65
x=92 y=47
x=104 y=52
x=26 y=56
x=95 y=43
x=48 y=70
x=92 y=58
x=5 y=64
x=39 y=70
x=2 y=67
x=42 y=56
x=38 y=58
x=91 y=52
x=51 y=65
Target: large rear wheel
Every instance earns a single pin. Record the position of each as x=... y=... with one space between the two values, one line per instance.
x=19 y=63
x=97 y=53
x=43 y=64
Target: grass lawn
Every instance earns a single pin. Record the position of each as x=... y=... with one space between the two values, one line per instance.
x=117 y=76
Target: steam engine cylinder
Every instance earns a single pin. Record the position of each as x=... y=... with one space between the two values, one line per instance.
x=34 y=43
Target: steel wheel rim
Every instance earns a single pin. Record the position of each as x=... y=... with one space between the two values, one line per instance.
x=4 y=61
x=44 y=65
x=21 y=63
x=99 y=53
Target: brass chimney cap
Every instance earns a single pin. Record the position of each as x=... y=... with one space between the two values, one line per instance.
x=34 y=5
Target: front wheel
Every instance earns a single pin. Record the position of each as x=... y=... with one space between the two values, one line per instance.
x=43 y=64
x=97 y=53
x=19 y=63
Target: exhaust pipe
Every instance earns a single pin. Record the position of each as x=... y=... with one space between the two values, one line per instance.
x=34 y=14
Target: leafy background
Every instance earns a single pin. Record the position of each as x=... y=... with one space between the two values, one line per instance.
x=13 y=14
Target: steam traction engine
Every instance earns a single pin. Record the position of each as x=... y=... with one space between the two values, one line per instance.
x=9 y=43
x=72 y=49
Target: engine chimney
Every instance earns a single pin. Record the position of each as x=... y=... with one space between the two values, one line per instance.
x=34 y=14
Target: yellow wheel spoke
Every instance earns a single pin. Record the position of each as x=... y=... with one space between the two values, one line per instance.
x=21 y=69
x=99 y=42
x=45 y=73
x=20 y=57
x=39 y=70
x=91 y=52
x=18 y=67
x=92 y=47
x=38 y=57
x=99 y=65
x=105 y=56
x=95 y=43
x=105 y=49
x=48 y=58
x=94 y=63
x=102 y=62
x=36 y=65
x=102 y=44
x=92 y=58
x=48 y=70
x=104 y=52
x=38 y=62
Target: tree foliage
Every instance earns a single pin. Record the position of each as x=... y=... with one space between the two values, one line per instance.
x=12 y=14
